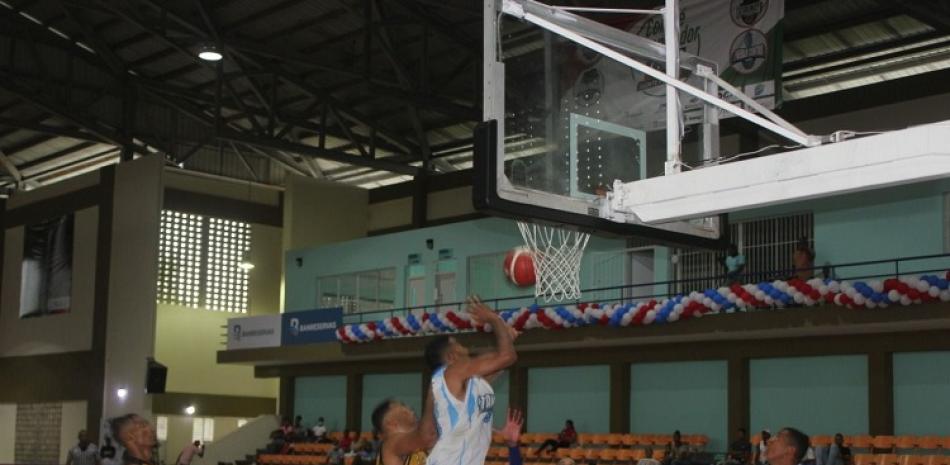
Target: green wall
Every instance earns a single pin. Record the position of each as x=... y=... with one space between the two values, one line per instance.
x=321 y=396
x=818 y=395
x=465 y=239
x=689 y=396
x=921 y=386
x=501 y=399
x=580 y=393
x=404 y=387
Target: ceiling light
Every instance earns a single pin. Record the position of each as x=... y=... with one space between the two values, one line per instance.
x=190 y=410
x=246 y=263
x=209 y=53
x=121 y=393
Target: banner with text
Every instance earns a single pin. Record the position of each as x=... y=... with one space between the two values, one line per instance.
x=255 y=331
x=311 y=326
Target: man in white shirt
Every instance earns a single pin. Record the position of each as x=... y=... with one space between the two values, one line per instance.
x=648 y=458
x=84 y=453
x=319 y=430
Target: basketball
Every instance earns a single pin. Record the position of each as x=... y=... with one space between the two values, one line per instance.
x=519 y=267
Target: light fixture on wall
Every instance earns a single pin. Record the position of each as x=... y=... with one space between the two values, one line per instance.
x=209 y=52
x=190 y=410
x=246 y=263
x=122 y=393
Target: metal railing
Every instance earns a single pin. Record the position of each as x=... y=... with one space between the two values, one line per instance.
x=852 y=271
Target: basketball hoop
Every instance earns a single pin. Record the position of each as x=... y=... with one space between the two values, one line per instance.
x=557 y=259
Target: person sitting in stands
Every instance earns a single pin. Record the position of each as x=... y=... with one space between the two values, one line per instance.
x=566 y=438
x=648 y=458
x=758 y=457
x=320 y=431
x=838 y=454
x=734 y=264
x=740 y=451
x=804 y=260
x=677 y=451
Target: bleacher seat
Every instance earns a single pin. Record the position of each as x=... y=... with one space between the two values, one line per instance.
x=887 y=459
x=861 y=441
x=823 y=440
x=881 y=443
x=864 y=459
x=906 y=442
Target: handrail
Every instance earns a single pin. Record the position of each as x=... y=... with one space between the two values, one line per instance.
x=625 y=296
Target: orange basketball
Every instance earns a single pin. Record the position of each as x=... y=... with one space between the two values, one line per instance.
x=519 y=266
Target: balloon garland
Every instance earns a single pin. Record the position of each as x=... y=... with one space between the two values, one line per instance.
x=902 y=291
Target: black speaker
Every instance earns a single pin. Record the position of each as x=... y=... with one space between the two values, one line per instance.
x=155 y=377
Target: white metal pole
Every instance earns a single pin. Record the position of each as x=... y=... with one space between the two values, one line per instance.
x=671 y=33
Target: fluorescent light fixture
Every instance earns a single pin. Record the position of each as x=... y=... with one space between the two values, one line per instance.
x=209 y=52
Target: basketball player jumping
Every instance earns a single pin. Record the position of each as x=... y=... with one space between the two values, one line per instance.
x=463 y=399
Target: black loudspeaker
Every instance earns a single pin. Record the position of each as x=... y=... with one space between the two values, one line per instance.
x=155 y=377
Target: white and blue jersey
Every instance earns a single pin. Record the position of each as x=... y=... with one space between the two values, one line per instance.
x=464 y=426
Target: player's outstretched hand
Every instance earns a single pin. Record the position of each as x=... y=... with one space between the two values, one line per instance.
x=512 y=429
x=480 y=312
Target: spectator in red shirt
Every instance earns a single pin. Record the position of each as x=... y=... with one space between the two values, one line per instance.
x=566 y=438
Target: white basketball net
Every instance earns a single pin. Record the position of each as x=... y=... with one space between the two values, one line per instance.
x=557 y=257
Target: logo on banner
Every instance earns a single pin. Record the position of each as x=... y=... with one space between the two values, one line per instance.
x=745 y=13
x=749 y=51
x=312 y=326
x=236 y=331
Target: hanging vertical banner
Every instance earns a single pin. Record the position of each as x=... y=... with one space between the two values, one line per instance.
x=742 y=37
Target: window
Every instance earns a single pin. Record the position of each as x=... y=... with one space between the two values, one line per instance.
x=161 y=428
x=199 y=262
x=365 y=291
x=203 y=430
x=767 y=244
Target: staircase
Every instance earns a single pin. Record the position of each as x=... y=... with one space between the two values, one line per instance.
x=240 y=447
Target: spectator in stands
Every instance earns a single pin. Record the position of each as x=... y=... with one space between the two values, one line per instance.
x=759 y=453
x=566 y=438
x=278 y=442
x=137 y=436
x=788 y=447
x=189 y=452
x=300 y=431
x=838 y=454
x=85 y=453
x=346 y=442
x=677 y=451
x=648 y=458
x=733 y=263
x=320 y=431
x=287 y=428
x=404 y=437
x=740 y=451
x=804 y=259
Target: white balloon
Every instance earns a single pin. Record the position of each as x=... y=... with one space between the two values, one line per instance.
x=759 y=295
x=922 y=285
x=768 y=300
x=673 y=316
x=714 y=307
x=878 y=286
x=870 y=304
x=905 y=300
x=894 y=296
x=859 y=299
x=678 y=308
x=945 y=295
x=707 y=302
x=798 y=298
x=649 y=318
x=934 y=291
x=822 y=289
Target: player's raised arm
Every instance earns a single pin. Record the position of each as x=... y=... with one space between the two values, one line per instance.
x=504 y=354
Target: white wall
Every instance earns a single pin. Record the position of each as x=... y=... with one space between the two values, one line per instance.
x=72 y=421
x=130 y=330
x=7 y=432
